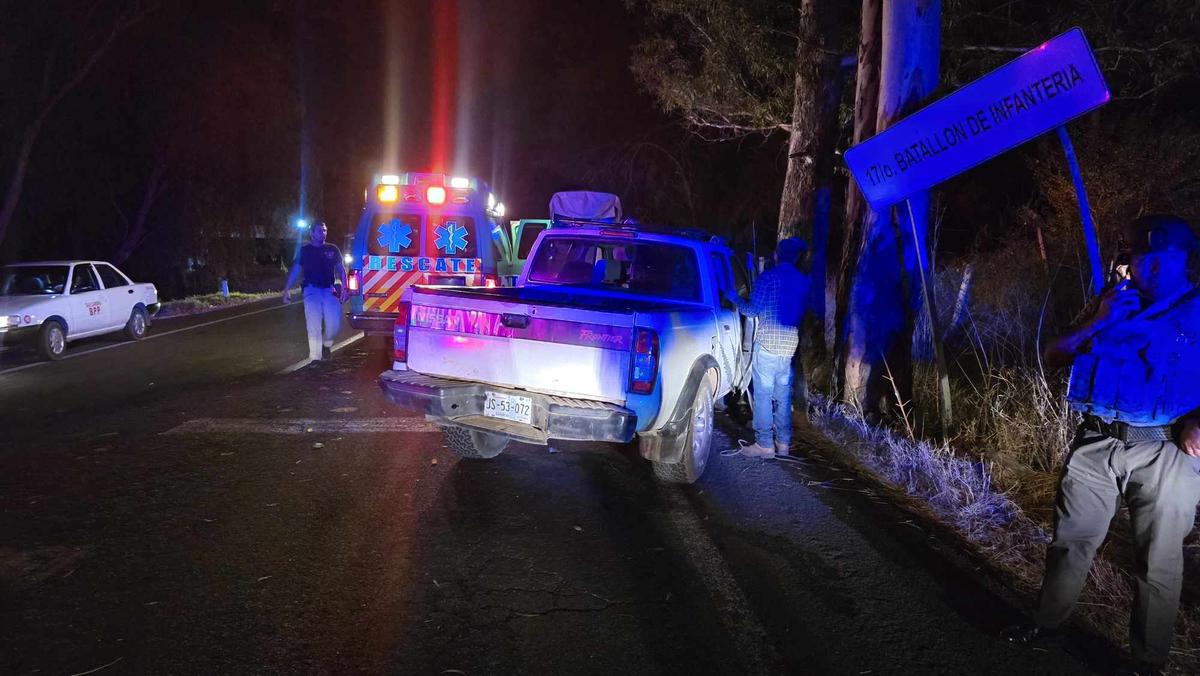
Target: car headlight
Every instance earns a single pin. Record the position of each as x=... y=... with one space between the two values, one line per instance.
x=12 y=320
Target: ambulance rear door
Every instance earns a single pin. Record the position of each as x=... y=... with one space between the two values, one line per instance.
x=392 y=242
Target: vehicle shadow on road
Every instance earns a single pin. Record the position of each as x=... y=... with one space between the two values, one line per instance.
x=555 y=563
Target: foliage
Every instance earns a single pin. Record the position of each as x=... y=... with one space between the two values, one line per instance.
x=1132 y=165
x=723 y=65
x=1147 y=49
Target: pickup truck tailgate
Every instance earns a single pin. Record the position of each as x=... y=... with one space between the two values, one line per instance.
x=509 y=340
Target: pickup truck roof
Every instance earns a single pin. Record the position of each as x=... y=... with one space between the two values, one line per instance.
x=24 y=264
x=694 y=234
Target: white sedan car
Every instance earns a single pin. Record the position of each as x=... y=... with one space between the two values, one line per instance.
x=52 y=303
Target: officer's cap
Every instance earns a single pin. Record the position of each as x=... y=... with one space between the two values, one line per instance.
x=1159 y=233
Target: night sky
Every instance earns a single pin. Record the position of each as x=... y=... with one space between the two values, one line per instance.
x=229 y=95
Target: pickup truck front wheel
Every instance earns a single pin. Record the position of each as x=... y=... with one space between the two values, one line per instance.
x=699 y=434
x=474 y=445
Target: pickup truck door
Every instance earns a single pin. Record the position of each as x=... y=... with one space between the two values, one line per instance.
x=88 y=303
x=729 y=355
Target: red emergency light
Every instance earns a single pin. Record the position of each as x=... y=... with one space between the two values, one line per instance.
x=435 y=195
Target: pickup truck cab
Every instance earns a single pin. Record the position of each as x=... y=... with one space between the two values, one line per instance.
x=613 y=334
x=52 y=303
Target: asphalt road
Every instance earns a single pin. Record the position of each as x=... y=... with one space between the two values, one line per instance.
x=179 y=506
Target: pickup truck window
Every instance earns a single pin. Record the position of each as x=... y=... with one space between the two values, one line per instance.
x=34 y=280
x=648 y=268
x=741 y=278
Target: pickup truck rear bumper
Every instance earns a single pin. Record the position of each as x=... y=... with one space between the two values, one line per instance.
x=460 y=403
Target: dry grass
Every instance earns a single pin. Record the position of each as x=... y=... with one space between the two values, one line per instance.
x=214 y=301
x=966 y=493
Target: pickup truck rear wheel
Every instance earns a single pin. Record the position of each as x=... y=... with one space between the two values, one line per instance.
x=699 y=441
x=474 y=445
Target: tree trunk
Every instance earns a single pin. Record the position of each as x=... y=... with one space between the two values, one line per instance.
x=16 y=184
x=137 y=229
x=885 y=299
x=866 y=105
x=804 y=204
x=50 y=99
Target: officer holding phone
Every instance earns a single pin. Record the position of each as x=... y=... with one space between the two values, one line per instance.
x=1135 y=362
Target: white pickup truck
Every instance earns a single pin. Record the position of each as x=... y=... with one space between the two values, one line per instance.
x=51 y=303
x=613 y=333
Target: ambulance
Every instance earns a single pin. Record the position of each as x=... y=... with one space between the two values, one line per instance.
x=420 y=228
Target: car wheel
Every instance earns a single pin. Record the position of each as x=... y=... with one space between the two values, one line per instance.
x=474 y=445
x=52 y=340
x=699 y=441
x=139 y=322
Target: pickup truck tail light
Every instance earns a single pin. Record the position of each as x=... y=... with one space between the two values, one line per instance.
x=400 y=334
x=643 y=366
x=354 y=281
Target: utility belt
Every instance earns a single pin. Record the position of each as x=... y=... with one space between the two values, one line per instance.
x=1127 y=433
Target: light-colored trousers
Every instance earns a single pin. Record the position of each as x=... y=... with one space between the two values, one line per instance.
x=323 y=317
x=1161 y=486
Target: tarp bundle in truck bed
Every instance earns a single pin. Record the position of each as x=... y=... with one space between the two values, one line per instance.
x=585 y=205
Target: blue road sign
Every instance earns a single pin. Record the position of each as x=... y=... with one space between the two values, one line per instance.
x=1036 y=92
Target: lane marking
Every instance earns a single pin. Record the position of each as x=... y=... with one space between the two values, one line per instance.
x=303 y=425
x=152 y=336
x=333 y=350
x=750 y=639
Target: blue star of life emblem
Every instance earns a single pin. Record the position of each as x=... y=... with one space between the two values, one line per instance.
x=451 y=238
x=395 y=235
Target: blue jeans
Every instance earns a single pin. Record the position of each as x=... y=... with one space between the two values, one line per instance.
x=772 y=397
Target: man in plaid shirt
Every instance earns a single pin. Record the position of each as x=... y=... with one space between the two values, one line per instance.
x=778 y=301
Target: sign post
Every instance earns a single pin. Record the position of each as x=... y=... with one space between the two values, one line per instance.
x=1040 y=90
x=1085 y=212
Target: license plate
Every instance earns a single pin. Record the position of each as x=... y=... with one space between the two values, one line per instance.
x=508 y=407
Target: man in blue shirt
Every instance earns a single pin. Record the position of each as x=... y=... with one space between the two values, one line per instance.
x=324 y=291
x=778 y=301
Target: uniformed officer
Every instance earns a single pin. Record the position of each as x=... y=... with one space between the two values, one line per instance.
x=324 y=291
x=1135 y=367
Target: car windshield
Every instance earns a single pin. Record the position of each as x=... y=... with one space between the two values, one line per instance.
x=647 y=268
x=33 y=280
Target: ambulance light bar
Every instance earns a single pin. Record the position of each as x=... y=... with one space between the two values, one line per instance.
x=460 y=183
x=435 y=195
x=390 y=179
x=388 y=193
